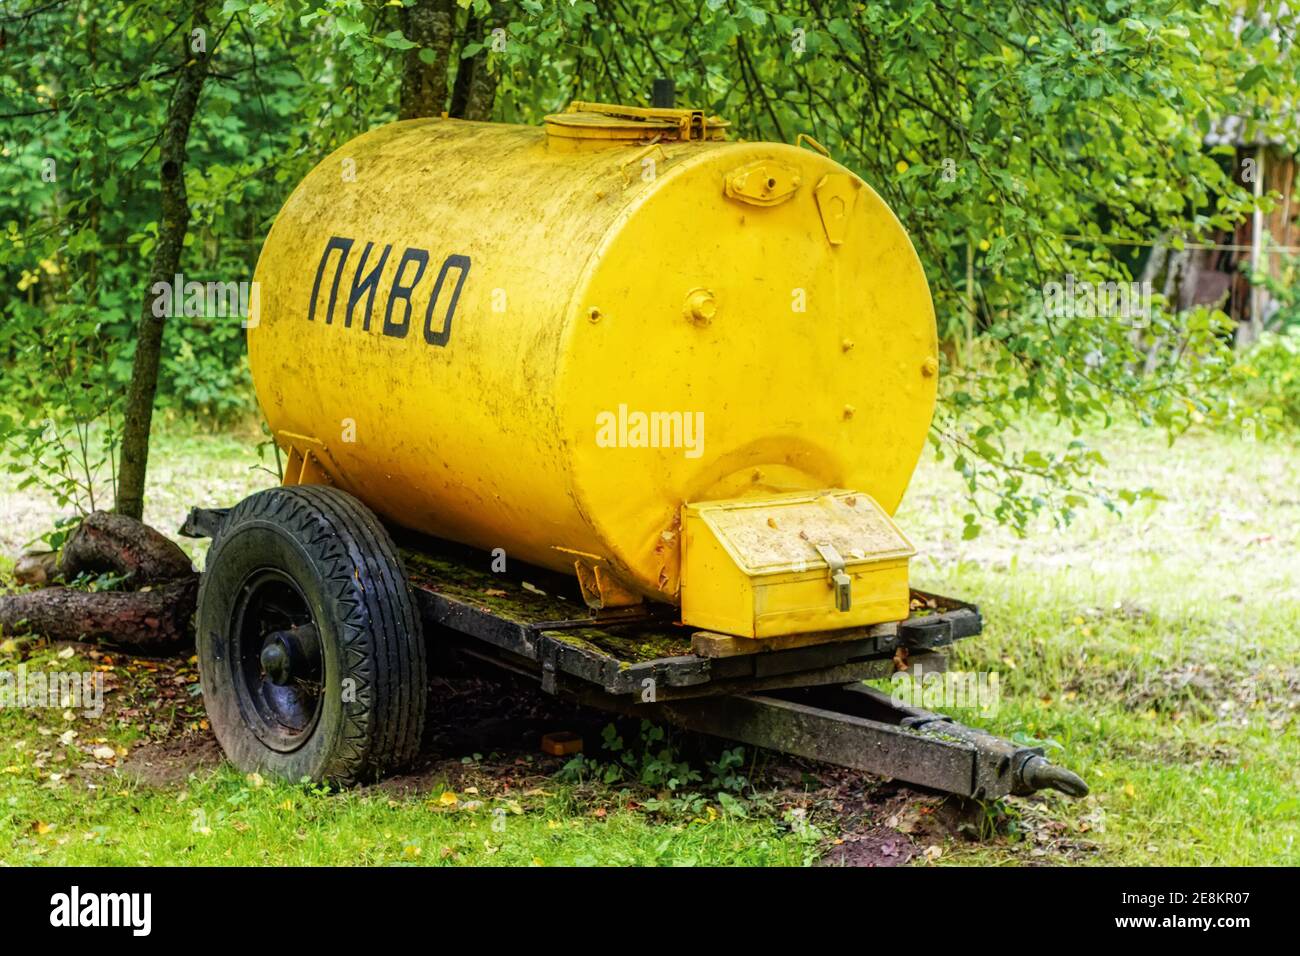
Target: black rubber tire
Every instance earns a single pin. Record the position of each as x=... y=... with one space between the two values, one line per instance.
x=348 y=573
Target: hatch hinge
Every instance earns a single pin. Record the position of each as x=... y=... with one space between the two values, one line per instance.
x=690 y=124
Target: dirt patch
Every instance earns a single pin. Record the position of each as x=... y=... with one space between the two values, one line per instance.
x=1240 y=690
x=487 y=735
x=892 y=824
x=1175 y=753
x=155 y=697
x=1057 y=841
x=879 y=847
x=874 y=822
x=169 y=763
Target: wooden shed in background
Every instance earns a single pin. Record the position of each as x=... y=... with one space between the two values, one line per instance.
x=1264 y=242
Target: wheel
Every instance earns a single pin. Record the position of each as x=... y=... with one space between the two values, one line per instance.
x=311 y=656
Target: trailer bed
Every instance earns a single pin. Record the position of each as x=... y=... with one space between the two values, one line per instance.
x=536 y=622
x=804 y=694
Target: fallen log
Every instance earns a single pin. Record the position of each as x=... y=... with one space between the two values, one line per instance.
x=37 y=569
x=157 y=618
x=153 y=612
x=113 y=543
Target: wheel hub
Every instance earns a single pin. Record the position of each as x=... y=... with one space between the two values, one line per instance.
x=292 y=654
x=279 y=665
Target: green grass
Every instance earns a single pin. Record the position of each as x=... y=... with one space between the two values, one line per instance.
x=1157 y=654
x=74 y=791
x=224 y=818
x=1161 y=650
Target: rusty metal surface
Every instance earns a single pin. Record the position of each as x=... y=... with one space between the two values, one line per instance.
x=857 y=726
x=835 y=737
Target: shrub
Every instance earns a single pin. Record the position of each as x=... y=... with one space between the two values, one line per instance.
x=1269 y=380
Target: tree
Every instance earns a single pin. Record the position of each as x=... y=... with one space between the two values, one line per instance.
x=173 y=225
x=474 y=95
x=428 y=25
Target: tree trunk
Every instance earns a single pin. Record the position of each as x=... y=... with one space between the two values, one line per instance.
x=1151 y=273
x=429 y=24
x=172 y=227
x=117 y=544
x=154 y=619
x=1176 y=293
x=474 y=94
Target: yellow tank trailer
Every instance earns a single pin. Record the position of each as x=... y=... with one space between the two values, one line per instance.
x=690 y=370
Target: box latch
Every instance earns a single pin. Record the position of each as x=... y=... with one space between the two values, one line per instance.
x=840 y=579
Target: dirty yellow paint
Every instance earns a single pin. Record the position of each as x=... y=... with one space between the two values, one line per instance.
x=604 y=279
x=753 y=566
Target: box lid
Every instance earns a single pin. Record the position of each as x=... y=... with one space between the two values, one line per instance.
x=781 y=534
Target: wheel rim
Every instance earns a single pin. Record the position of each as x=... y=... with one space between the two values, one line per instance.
x=277 y=660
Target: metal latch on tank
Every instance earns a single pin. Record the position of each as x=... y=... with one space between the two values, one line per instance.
x=762 y=183
x=840 y=579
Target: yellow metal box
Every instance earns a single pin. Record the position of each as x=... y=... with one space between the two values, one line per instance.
x=792 y=564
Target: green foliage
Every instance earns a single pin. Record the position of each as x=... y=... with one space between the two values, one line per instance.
x=59 y=424
x=1019 y=143
x=1269 y=380
x=654 y=763
x=205 y=369
x=84 y=92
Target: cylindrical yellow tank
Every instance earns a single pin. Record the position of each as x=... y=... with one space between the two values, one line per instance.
x=484 y=330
